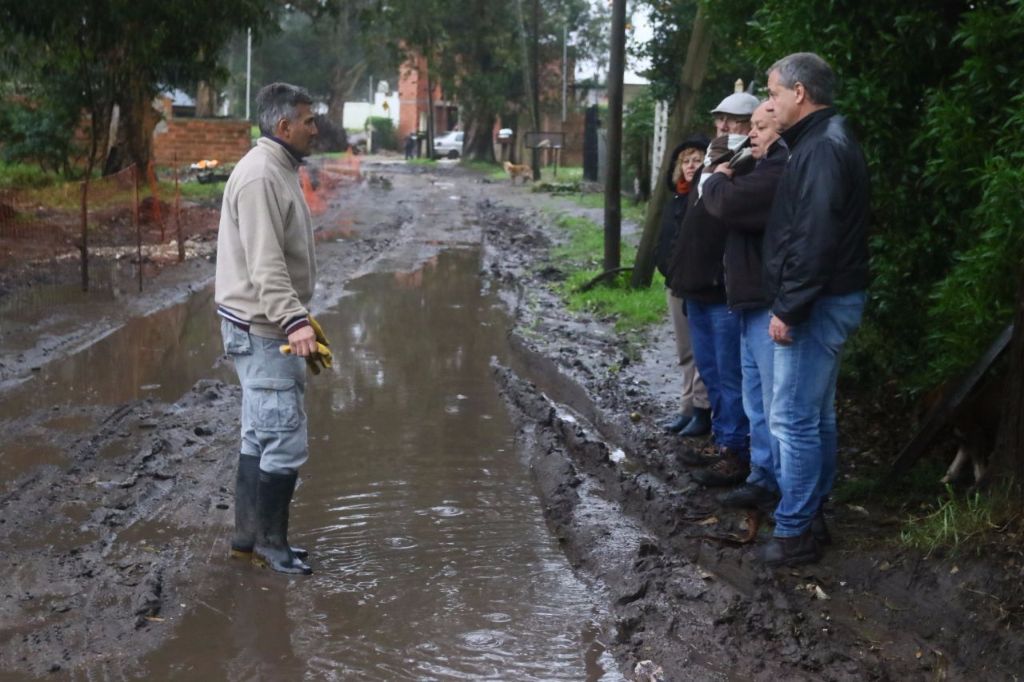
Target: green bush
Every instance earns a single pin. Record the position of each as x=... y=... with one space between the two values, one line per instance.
x=384 y=136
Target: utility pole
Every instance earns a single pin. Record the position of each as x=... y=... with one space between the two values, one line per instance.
x=248 y=73
x=613 y=183
x=565 y=67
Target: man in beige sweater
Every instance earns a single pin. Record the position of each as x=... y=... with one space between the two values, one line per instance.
x=265 y=277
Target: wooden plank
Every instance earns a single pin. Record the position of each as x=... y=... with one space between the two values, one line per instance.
x=938 y=416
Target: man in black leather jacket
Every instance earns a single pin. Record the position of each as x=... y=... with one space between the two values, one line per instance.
x=816 y=273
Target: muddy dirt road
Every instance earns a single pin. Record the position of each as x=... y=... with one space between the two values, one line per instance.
x=488 y=495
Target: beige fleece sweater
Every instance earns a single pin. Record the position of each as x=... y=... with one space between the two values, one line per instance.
x=266 y=269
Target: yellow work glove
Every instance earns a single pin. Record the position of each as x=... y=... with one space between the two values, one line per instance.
x=318 y=330
x=322 y=356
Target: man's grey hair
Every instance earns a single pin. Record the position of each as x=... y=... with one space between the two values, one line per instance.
x=811 y=71
x=277 y=101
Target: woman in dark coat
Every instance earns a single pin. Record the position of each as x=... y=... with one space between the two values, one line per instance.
x=694 y=417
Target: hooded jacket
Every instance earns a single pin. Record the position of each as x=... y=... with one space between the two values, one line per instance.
x=816 y=238
x=743 y=204
x=675 y=208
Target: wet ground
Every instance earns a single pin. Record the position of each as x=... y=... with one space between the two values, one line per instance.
x=488 y=494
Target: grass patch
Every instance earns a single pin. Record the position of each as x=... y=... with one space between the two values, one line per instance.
x=193 y=191
x=633 y=212
x=492 y=171
x=26 y=176
x=956 y=523
x=565 y=174
x=421 y=161
x=583 y=254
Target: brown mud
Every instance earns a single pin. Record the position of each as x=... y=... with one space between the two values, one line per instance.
x=113 y=509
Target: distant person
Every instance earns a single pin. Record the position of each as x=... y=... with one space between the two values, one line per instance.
x=410 y=146
x=743 y=201
x=694 y=416
x=266 y=273
x=816 y=273
x=698 y=275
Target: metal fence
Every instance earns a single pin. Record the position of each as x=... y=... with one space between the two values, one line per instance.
x=60 y=234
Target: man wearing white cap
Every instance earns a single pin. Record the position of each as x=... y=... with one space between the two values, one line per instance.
x=732 y=115
x=699 y=275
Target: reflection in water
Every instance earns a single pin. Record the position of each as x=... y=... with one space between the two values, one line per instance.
x=432 y=558
x=159 y=356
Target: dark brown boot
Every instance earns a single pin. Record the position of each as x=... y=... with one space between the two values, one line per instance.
x=732 y=468
x=794 y=551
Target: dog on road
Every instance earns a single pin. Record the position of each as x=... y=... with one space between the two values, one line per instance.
x=522 y=171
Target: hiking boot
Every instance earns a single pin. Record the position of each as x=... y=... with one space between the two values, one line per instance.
x=695 y=458
x=750 y=496
x=820 y=530
x=794 y=551
x=700 y=425
x=677 y=423
x=732 y=467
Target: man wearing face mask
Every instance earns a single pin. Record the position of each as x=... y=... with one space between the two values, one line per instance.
x=743 y=201
x=698 y=276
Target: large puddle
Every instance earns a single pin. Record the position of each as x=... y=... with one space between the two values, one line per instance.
x=432 y=557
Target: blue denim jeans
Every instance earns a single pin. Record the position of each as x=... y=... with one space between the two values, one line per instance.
x=273 y=386
x=803 y=415
x=757 y=359
x=715 y=335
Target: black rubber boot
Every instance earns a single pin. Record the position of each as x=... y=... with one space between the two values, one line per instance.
x=245 y=509
x=700 y=425
x=677 y=423
x=274 y=496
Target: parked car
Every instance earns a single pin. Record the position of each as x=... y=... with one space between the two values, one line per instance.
x=449 y=145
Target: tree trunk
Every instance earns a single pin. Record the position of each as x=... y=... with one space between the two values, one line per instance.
x=690 y=81
x=1008 y=458
x=138 y=118
x=343 y=84
x=206 y=100
x=479 y=145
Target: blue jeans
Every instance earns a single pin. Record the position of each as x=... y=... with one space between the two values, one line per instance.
x=715 y=336
x=803 y=415
x=273 y=385
x=757 y=358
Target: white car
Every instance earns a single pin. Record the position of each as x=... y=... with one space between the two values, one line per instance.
x=449 y=145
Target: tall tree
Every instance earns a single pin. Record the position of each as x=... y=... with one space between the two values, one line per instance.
x=691 y=78
x=125 y=51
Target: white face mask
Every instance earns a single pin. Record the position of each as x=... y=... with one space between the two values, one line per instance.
x=734 y=143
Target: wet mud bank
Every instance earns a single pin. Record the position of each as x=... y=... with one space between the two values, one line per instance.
x=685 y=593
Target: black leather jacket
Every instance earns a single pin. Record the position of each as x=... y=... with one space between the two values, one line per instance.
x=816 y=239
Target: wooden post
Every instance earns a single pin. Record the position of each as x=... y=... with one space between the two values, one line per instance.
x=177 y=213
x=85 y=234
x=135 y=219
x=613 y=183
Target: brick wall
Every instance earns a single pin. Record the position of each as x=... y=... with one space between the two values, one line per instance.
x=192 y=139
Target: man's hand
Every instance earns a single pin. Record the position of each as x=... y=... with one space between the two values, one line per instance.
x=303 y=341
x=725 y=170
x=779 y=331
